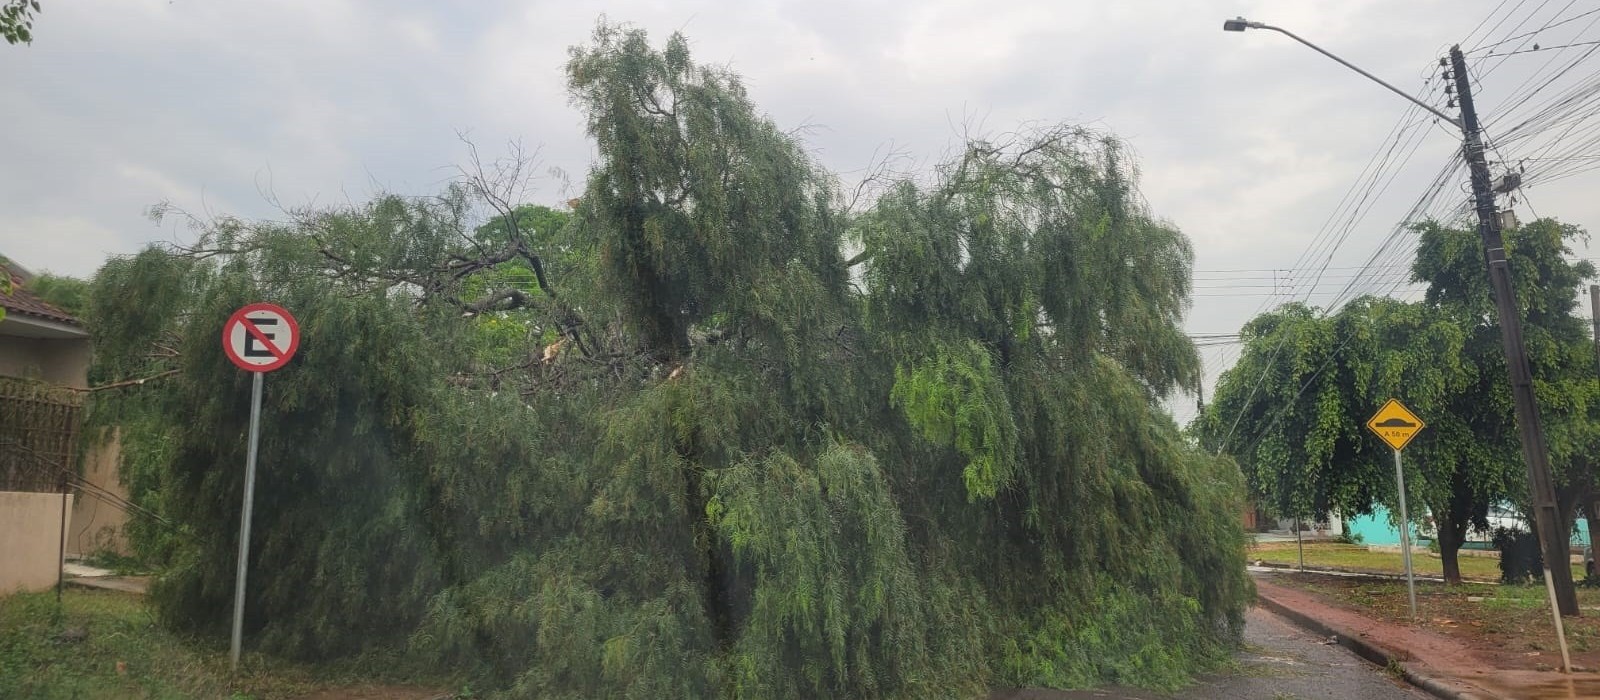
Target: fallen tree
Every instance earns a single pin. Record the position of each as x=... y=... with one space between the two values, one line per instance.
x=676 y=444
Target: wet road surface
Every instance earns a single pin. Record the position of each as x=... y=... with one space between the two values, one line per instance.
x=1278 y=662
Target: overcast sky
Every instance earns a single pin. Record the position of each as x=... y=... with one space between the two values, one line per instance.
x=1247 y=141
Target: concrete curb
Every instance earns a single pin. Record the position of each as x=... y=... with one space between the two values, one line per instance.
x=1374 y=653
x=1372 y=573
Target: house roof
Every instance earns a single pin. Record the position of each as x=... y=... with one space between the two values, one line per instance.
x=26 y=303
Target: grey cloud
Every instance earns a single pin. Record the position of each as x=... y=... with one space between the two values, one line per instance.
x=1247 y=141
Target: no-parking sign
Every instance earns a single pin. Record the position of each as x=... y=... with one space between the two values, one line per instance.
x=260 y=337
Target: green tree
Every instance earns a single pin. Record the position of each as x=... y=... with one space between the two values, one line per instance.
x=701 y=454
x=1289 y=413
x=1547 y=284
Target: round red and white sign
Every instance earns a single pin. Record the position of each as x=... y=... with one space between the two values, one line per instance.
x=260 y=337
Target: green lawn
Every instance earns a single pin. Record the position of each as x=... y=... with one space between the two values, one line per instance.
x=1349 y=556
x=108 y=645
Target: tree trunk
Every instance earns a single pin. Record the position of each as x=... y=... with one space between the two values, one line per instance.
x=1589 y=508
x=1452 y=527
x=1567 y=501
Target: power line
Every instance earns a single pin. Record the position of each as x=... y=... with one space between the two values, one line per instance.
x=1353 y=207
x=1424 y=206
x=46 y=464
x=1484 y=73
x=1537 y=48
x=1486 y=19
x=1528 y=34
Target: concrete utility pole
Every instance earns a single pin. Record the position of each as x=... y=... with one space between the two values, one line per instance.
x=1592 y=508
x=1557 y=571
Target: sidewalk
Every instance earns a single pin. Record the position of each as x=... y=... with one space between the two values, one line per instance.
x=1442 y=666
x=90 y=577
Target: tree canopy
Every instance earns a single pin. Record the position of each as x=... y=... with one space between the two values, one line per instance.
x=673 y=443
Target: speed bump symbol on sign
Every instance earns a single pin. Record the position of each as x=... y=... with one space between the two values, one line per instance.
x=1395 y=424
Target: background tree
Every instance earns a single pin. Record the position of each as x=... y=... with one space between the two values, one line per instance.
x=1287 y=412
x=67 y=293
x=1548 y=285
x=1462 y=464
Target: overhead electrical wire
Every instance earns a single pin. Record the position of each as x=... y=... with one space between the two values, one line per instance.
x=1381 y=170
x=1325 y=312
x=1527 y=38
x=1497 y=24
x=44 y=464
x=1424 y=206
x=1404 y=137
x=1537 y=48
x=1557 y=137
x=1488 y=47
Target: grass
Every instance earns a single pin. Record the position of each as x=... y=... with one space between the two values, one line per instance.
x=1358 y=557
x=1511 y=623
x=106 y=644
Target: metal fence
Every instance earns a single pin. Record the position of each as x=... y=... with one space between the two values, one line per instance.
x=38 y=435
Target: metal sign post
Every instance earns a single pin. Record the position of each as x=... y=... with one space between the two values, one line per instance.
x=1396 y=425
x=258 y=338
x=244 y=519
x=1405 y=534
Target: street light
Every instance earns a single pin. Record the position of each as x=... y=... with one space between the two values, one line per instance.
x=1239 y=24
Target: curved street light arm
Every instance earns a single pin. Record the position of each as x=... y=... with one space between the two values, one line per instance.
x=1452 y=120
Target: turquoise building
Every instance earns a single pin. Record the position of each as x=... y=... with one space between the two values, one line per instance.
x=1378 y=529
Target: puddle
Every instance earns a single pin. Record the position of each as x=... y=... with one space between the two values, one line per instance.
x=1286 y=660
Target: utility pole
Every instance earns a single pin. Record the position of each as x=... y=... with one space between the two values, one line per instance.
x=1591 y=507
x=1557 y=570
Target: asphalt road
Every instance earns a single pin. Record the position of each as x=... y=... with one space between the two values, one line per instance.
x=1278 y=662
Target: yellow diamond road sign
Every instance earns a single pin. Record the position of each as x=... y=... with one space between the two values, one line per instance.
x=1395 y=424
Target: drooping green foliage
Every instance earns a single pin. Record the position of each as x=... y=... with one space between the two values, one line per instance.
x=675 y=445
x=1292 y=411
x=955 y=398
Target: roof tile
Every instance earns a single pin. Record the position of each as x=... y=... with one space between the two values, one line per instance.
x=22 y=301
